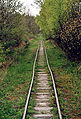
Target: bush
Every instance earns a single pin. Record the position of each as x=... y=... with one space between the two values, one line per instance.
x=69 y=38
x=1 y=55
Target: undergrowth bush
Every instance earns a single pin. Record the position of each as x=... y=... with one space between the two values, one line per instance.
x=69 y=37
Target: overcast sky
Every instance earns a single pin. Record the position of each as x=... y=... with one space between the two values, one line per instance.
x=29 y=4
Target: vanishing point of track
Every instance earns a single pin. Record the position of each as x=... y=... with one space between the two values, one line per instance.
x=43 y=89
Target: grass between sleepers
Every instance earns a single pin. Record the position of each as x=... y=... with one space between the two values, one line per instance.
x=32 y=102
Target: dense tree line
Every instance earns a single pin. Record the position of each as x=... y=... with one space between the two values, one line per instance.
x=15 y=27
x=32 y=26
x=60 y=20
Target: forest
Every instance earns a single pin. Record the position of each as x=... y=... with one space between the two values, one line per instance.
x=15 y=29
x=58 y=25
x=61 y=22
x=58 y=20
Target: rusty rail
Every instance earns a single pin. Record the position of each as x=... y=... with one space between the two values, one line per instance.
x=54 y=86
x=30 y=89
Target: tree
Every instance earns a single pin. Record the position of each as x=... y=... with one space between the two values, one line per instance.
x=60 y=20
x=12 y=25
x=53 y=14
x=15 y=26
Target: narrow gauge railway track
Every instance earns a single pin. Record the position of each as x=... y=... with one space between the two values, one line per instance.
x=43 y=89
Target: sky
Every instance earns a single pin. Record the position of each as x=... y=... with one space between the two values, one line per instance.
x=33 y=8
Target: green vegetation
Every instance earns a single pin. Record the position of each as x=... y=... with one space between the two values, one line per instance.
x=14 y=87
x=15 y=28
x=32 y=101
x=67 y=76
x=69 y=37
x=60 y=21
x=17 y=53
x=53 y=14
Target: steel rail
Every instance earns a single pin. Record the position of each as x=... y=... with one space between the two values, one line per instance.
x=54 y=86
x=31 y=85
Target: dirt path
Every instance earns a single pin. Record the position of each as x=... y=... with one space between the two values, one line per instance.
x=43 y=95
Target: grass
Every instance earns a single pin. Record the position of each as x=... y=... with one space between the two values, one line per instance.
x=67 y=80
x=14 y=87
x=32 y=102
x=32 y=98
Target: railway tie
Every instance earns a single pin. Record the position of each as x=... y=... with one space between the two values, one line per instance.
x=42 y=108
x=42 y=95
